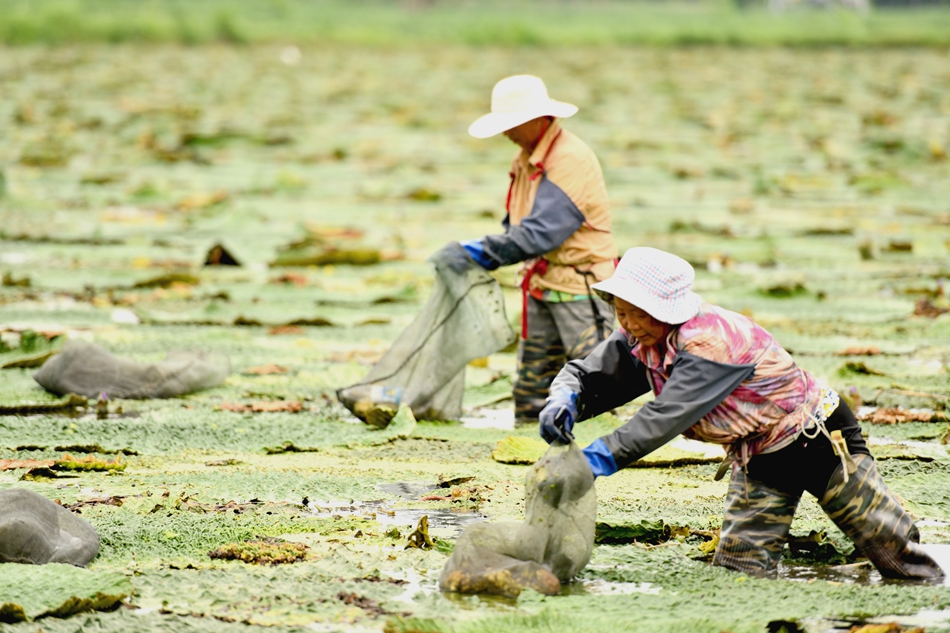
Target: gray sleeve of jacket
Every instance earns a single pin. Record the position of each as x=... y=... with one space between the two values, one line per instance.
x=608 y=377
x=553 y=218
x=696 y=386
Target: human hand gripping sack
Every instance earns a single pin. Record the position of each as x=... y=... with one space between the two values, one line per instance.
x=477 y=252
x=558 y=416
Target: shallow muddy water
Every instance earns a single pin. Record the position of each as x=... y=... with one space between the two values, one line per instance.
x=863 y=573
x=443 y=522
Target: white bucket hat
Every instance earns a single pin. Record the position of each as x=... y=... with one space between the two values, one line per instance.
x=655 y=281
x=516 y=100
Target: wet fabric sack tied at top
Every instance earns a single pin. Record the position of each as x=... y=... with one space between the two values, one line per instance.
x=34 y=530
x=463 y=319
x=551 y=546
x=88 y=370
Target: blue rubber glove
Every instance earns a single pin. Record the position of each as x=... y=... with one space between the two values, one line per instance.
x=477 y=252
x=558 y=416
x=600 y=458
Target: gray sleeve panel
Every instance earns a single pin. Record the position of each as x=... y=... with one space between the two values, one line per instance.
x=696 y=386
x=608 y=377
x=553 y=218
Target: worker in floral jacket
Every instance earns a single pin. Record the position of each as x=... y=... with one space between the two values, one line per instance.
x=558 y=223
x=719 y=377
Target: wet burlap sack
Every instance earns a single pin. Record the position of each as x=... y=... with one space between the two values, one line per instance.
x=34 y=530
x=463 y=319
x=88 y=370
x=552 y=545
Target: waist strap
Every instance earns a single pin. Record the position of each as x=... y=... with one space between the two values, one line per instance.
x=813 y=425
x=539 y=267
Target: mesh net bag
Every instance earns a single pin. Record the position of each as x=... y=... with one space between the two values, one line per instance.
x=463 y=319
x=34 y=530
x=552 y=544
x=88 y=370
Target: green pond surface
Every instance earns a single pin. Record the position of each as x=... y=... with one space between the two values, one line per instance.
x=810 y=189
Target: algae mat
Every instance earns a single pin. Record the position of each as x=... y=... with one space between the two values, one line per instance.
x=30 y=592
x=809 y=188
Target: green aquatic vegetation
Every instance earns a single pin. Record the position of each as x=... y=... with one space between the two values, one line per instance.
x=168 y=280
x=419 y=538
x=428 y=450
x=490 y=393
x=261 y=552
x=925 y=453
x=519 y=450
x=701 y=597
x=33 y=350
x=69 y=405
x=48 y=152
x=325 y=256
x=399 y=426
x=415 y=625
x=93 y=448
x=354 y=116
x=644 y=532
x=920 y=431
x=125 y=620
x=89 y=463
x=29 y=592
x=10 y=281
x=505 y=24
x=332 y=592
x=815 y=547
x=134 y=532
x=785 y=290
x=860 y=368
x=173 y=428
x=321 y=247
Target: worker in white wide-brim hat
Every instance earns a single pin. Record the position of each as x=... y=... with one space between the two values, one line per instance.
x=719 y=377
x=558 y=223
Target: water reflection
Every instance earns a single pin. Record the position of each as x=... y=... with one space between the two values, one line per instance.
x=485 y=418
x=864 y=573
x=443 y=522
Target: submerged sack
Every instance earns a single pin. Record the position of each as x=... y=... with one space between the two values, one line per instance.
x=34 y=530
x=88 y=370
x=552 y=545
x=463 y=319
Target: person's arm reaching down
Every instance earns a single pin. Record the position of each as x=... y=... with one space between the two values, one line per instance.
x=696 y=386
x=608 y=377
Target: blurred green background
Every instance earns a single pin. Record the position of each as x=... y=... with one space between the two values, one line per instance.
x=517 y=22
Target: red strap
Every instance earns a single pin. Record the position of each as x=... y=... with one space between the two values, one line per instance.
x=511 y=186
x=540 y=266
x=540 y=165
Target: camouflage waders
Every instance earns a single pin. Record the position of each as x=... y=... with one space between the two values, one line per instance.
x=869 y=513
x=759 y=514
x=755 y=526
x=557 y=333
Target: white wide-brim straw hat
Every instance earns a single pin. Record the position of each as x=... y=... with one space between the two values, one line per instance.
x=516 y=100
x=655 y=281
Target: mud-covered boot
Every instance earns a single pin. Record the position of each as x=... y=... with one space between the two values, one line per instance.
x=755 y=526
x=865 y=509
